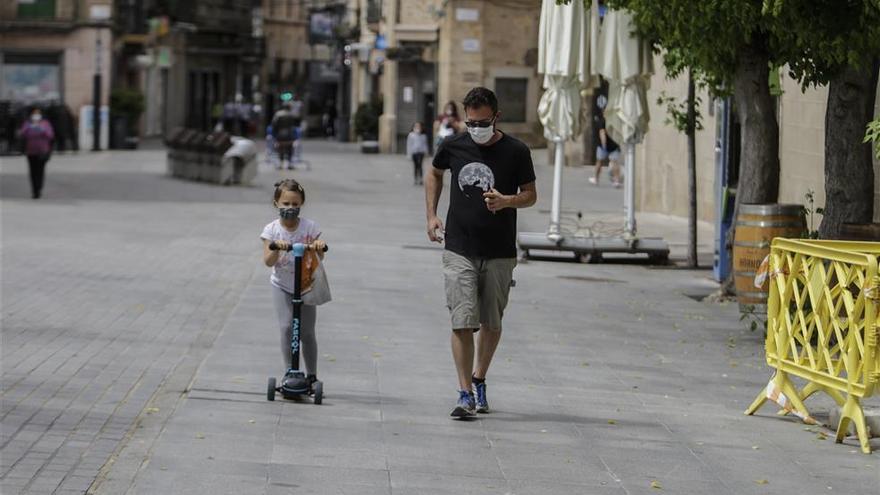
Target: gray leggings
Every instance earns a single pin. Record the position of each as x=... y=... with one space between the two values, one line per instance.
x=308 y=315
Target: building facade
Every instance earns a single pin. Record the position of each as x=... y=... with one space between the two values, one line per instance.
x=661 y=184
x=305 y=58
x=189 y=58
x=50 y=51
x=419 y=54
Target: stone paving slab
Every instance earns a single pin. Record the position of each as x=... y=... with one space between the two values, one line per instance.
x=609 y=377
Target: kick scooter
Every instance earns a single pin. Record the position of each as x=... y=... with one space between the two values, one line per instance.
x=294 y=384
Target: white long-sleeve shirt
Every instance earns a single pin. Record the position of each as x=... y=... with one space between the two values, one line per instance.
x=416 y=143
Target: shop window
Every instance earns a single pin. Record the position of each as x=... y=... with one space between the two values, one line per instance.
x=512 y=93
x=36 y=9
x=30 y=78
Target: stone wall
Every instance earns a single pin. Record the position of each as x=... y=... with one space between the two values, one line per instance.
x=661 y=176
x=501 y=42
x=661 y=160
x=461 y=52
x=418 y=11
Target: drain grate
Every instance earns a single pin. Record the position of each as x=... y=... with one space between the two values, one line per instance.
x=582 y=278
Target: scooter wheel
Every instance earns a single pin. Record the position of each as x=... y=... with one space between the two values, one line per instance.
x=270 y=390
x=319 y=392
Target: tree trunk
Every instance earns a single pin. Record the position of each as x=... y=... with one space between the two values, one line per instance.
x=759 y=160
x=849 y=171
x=759 y=155
x=692 y=172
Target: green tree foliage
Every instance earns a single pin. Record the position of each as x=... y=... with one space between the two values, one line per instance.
x=873 y=136
x=820 y=38
x=708 y=36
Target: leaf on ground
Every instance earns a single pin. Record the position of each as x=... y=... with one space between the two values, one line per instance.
x=366 y=337
x=238 y=379
x=755 y=447
x=761 y=482
x=330 y=358
x=822 y=436
x=377 y=355
x=585 y=364
x=252 y=421
x=656 y=485
x=734 y=364
x=151 y=410
x=612 y=422
x=200 y=436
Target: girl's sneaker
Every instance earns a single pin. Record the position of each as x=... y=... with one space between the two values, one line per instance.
x=465 y=406
x=482 y=401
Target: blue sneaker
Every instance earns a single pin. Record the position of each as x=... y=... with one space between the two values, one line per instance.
x=482 y=401
x=465 y=407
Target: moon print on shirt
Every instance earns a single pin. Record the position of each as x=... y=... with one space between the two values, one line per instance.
x=476 y=174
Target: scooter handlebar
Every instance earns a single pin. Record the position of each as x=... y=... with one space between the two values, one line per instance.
x=274 y=247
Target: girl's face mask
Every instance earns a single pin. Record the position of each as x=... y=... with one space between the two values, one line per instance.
x=291 y=213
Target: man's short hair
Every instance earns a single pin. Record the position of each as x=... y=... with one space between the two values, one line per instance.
x=481 y=97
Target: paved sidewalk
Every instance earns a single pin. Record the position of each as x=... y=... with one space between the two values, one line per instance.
x=135 y=355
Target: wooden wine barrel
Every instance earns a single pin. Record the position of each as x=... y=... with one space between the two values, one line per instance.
x=756 y=227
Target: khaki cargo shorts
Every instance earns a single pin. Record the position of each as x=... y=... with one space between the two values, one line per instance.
x=477 y=289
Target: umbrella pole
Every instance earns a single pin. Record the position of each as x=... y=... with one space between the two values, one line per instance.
x=629 y=192
x=555 y=234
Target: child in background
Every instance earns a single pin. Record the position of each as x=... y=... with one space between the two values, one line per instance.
x=417 y=148
x=285 y=231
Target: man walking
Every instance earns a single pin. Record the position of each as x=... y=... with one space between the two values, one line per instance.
x=285 y=133
x=492 y=176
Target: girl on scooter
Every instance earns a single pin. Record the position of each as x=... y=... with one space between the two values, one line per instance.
x=288 y=229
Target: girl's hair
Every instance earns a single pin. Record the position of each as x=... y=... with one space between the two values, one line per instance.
x=452 y=104
x=289 y=185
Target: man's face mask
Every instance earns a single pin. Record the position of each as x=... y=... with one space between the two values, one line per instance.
x=481 y=131
x=289 y=213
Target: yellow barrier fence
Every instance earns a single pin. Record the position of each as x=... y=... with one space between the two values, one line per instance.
x=823 y=327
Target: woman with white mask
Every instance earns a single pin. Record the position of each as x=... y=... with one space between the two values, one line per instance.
x=37 y=135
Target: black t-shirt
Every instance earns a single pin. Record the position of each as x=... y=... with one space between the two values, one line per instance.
x=611 y=145
x=471 y=229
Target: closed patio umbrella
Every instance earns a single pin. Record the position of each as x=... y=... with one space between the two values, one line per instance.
x=627 y=63
x=564 y=58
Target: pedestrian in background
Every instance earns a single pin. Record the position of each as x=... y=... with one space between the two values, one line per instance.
x=37 y=135
x=447 y=124
x=285 y=132
x=416 y=149
x=230 y=116
x=608 y=151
